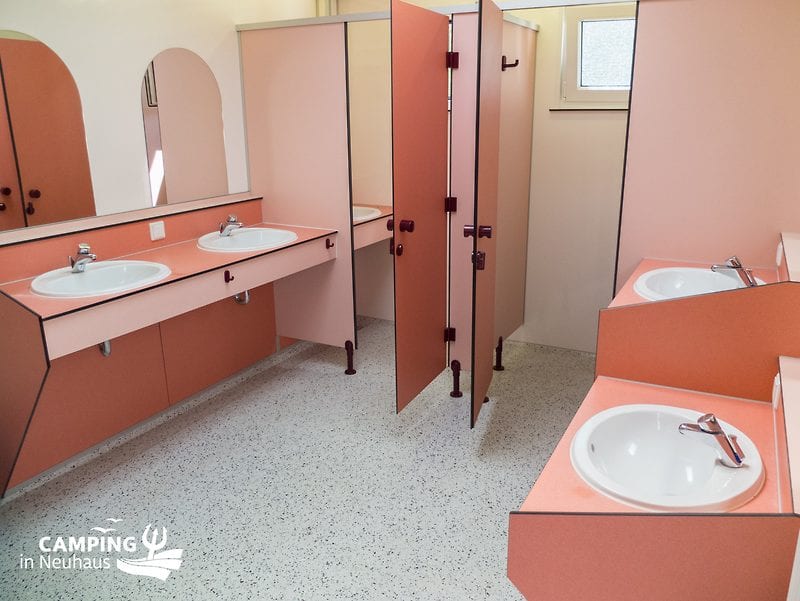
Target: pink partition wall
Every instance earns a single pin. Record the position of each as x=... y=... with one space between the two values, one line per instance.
x=486 y=167
x=419 y=149
x=462 y=182
x=296 y=110
x=725 y=343
x=714 y=134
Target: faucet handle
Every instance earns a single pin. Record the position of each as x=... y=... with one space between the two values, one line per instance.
x=232 y=218
x=708 y=423
x=733 y=261
x=84 y=248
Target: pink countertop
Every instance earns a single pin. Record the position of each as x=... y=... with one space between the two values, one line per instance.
x=560 y=489
x=184 y=259
x=626 y=295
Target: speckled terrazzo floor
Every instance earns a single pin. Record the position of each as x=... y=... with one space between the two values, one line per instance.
x=296 y=482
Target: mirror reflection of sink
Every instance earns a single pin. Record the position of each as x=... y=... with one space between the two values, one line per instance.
x=363 y=213
x=102 y=277
x=677 y=282
x=635 y=455
x=246 y=239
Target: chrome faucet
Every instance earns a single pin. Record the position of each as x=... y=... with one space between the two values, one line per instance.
x=733 y=263
x=84 y=257
x=712 y=434
x=232 y=223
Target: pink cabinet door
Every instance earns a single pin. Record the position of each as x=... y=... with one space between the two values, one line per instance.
x=75 y=412
x=419 y=147
x=242 y=335
x=490 y=38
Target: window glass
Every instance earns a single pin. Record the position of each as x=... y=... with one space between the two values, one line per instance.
x=606 y=53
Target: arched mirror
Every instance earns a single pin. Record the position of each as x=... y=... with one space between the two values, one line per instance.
x=182 y=112
x=44 y=164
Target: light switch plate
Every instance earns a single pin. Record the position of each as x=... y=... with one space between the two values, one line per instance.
x=157 y=231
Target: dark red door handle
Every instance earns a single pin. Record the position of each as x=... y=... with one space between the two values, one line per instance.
x=398 y=250
x=390 y=224
x=484 y=231
x=35 y=193
x=328 y=243
x=30 y=209
x=2 y=206
x=407 y=225
x=228 y=276
x=5 y=191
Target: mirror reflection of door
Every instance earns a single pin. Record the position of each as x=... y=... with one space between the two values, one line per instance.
x=370 y=114
x=182 y=113
x=44 y=164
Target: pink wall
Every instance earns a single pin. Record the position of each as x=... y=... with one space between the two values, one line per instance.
x=714 y=135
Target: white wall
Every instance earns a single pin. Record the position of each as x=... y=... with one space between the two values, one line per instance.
x=107 y=46
x=576 y=180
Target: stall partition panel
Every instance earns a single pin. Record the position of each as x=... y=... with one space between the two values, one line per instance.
x=419 y=152
x=485 y=234
x=516 y=124
x=295 y=92
x=462 y=182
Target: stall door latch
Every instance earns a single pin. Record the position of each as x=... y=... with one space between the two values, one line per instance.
x=479 y=259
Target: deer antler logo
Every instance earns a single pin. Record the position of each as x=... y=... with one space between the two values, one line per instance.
x=151 y=544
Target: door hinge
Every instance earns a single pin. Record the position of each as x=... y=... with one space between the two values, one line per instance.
x=450 y=204
x=452 y=60
x=479 y=259
x=449 y=334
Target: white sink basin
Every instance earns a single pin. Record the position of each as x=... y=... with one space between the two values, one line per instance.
x=363 y=213
x=635 y=454
x=102 y=277
x=246 y=239
x=676 y=282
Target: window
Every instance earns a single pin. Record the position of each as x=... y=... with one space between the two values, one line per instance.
x=597 y=55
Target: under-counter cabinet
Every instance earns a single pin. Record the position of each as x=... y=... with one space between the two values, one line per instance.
x=87 y=398
x=212 y=316
x=216 y=341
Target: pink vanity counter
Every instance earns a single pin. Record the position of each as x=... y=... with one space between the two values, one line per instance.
x=627 y=296
x=716 y=353
x=49 y=344
x=560 y=489
x=571 y=543
x=185 y=259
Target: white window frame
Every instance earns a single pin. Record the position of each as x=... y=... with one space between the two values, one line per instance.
x=571 y=93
